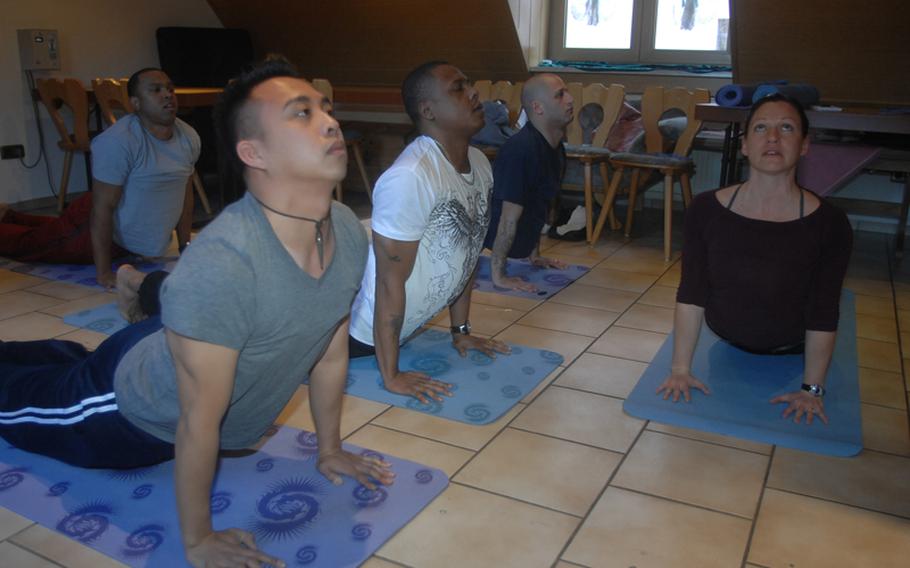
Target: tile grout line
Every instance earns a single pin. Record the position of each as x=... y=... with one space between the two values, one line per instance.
x=851 y=505
x=38 y=554
x=897 y=323
x=600 y=494
x=513 y=498
x=761 y=498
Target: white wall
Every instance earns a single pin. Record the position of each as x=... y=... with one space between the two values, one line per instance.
x=109 y=38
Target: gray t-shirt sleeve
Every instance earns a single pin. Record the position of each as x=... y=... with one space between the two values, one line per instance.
x=112 y=158
x=210 y=295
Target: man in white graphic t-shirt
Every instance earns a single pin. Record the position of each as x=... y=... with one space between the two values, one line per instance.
x=430 y=217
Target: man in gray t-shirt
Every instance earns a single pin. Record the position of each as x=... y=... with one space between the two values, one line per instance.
x=141 y=191
x=259 y=302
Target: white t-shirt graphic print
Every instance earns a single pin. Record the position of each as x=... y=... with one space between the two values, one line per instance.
x=421 y=197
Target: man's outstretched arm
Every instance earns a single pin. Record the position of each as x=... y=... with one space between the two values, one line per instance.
x=394 y=263
x=105 y=198
x=327 y=381
x=505 y=236
x=205 y=380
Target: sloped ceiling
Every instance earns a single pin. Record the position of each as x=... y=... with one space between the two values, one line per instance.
x=376 y=42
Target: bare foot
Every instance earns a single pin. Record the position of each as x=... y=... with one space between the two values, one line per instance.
x=128 y=281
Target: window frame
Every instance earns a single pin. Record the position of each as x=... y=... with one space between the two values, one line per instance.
x=644 y=30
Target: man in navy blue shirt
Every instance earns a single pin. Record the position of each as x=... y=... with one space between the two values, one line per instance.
x=527 y=175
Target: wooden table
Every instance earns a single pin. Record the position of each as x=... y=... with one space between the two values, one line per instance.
x=892 y=159
x=349 y=107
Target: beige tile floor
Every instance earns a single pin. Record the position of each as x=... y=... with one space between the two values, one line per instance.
x=566 y=479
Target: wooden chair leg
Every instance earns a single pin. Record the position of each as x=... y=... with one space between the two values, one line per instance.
x=614 y=223
x=668 y=214
x=686 y=189
x=633 y=194
x=358 y=157
x=64 y=180
x=200 y=191
x=607 y=206
x=589 y=204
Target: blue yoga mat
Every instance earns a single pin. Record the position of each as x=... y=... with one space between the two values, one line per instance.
x=276 y=493
x=806 y=94
x=83 y=274
x=742 y=384
x=483 y=388
x=735 y=95
x=103 y=319
x=548 y=280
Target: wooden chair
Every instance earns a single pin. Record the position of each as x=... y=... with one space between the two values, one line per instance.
x=508 y=94
x=654 y=103
x=55 y=94
x=610 y=100
x=113 y=100
x=353 y=142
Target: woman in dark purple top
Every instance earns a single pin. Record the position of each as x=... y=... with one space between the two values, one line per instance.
x=764 y=262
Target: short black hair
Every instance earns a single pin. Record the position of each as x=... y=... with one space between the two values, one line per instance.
x=416 y=88
x=231 y=123
x=132 y=86
x=779 y=98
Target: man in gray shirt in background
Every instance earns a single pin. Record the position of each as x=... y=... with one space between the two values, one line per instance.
x=141 y=190
x=259 y=302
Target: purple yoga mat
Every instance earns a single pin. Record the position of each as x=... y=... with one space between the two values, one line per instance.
x=828 y=167
x=276 y=493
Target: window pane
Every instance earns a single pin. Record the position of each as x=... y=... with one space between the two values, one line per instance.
x=700 y=25
x=599 y=24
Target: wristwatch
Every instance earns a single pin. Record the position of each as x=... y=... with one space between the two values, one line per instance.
x=815 y=390
x=463 y=329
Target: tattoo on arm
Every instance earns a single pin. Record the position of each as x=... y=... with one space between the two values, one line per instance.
x=389 y=256
x=505 y=236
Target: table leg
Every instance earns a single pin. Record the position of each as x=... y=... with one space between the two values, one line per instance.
x=902 y=222
x=725 y=155
x=733 y=160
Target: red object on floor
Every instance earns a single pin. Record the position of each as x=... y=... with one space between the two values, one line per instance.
x=63 y=239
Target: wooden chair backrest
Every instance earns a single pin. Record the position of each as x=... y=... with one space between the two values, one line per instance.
x=57 y=93
x=658 y=100
x=508 y=93
x=609 y=99
x=324 y=87
x=112 y=98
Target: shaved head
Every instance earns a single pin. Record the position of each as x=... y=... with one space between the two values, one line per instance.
x=538 y=88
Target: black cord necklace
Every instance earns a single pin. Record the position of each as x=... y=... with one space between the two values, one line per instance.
x=318 y=222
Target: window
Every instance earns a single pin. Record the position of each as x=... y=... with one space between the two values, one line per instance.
x=641 y=31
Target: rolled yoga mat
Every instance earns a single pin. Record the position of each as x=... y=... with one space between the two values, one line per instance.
x=483 y=389
x=806 y=94
x=735 y=95
x=742 y=384
x=276 y=493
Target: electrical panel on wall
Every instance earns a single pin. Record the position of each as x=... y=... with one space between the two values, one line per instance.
x=38 y=49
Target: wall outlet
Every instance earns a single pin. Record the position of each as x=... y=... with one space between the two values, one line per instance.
x=12 y=152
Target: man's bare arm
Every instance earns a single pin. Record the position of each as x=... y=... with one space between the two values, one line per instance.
x=205 y=381
x=105 y=198
x=327 y=381
x=394 y=263
x=505 y=236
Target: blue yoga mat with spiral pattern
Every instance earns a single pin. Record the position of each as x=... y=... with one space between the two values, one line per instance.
x=276 y=493
x=483 y=389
